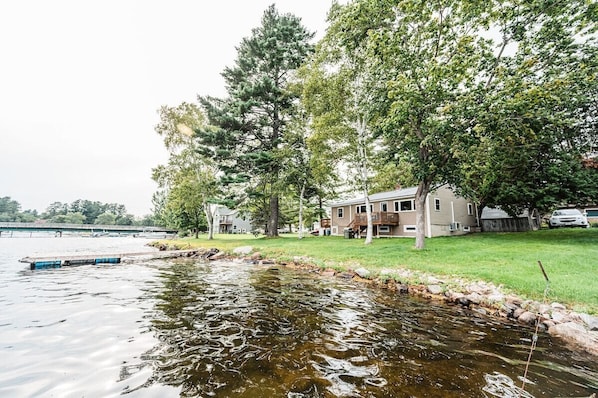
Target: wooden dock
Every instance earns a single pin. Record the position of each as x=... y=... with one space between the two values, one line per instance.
x=102 y=258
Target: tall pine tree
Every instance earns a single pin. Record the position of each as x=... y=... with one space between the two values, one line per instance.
x=249 y=140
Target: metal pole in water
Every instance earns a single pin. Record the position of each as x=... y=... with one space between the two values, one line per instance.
x=535 y=336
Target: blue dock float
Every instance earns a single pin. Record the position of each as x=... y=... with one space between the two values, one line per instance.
x=108 y=260
x=46 y=264
x=102 y=258
x=55 y=262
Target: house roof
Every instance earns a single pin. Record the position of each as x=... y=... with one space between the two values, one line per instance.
x=225 y=211
x=379 y=197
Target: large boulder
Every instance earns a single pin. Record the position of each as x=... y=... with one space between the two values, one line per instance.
x=435 y=289
x=576 y=334
x=242 y=250
x=363 y=273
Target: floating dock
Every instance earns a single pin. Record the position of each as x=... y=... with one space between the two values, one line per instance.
x=101 y=258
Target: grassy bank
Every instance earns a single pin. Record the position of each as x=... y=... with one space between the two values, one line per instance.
x=570 y=257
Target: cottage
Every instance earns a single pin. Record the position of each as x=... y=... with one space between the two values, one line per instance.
x=393 y=214
x=229 y=221
x=591 y=214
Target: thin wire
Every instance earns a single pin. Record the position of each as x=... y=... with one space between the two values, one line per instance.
x=535 y=336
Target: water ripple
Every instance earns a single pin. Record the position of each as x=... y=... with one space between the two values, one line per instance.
x=228 y=329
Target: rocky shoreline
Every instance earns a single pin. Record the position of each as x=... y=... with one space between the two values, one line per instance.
x=578 y=330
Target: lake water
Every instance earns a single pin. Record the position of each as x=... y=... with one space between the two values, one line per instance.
x=229 y=329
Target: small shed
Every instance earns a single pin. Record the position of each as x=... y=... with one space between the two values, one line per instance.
x=494 y=219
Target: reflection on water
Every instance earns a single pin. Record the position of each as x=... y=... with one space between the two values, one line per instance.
x=186 y=328
x=236 y=330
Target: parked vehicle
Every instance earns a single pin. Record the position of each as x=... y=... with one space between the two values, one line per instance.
x=568 y=218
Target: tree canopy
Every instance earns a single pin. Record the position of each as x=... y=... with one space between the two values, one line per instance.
x=469 y=80
x=496 y=98
x=252 y=120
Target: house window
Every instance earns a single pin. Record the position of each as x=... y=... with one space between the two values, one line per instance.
x=437 y=204
x=469 y=209
x=339 y=212
x=383 y=206
x=409 y=228
x=405 y=205
x=384 y=229
x=361 y=209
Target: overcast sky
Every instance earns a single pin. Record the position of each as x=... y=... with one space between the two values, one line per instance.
x=81 y=83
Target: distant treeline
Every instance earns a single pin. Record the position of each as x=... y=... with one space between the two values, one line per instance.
x=77 y=212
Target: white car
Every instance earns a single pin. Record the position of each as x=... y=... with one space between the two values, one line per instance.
x=568 y=218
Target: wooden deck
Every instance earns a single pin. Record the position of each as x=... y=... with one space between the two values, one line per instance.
x=101 y=258
x=378 y=218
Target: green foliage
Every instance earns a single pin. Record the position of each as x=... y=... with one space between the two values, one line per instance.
x=106 y=218
x=186 y=200
x=78 y=212
x=10 y=211
x=252 y=121
x=90 y=210
x=69 y=218
x=177 y=125
x=506 y=120
x=391 y=175
x=9 y=206
x=187 y=183
x=535 y=118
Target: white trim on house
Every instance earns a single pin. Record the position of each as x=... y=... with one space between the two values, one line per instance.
x=428 y=218
x=406 y=193
x=410 y=228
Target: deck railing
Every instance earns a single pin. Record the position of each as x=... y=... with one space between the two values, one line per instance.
x=378 y=218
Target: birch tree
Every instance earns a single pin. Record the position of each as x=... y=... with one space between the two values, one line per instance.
x=189 y=180
x=339 y=94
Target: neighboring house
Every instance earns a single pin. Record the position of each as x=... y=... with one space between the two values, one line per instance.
x=497 y=220
x=592 y=214
x=393 y=214
x=231 y=222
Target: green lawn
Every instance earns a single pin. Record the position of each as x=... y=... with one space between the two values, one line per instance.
x=569 y=256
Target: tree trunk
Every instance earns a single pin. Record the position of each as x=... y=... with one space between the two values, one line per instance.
x=420 y=211
x=210 y=215
x=273 y=220
x=363 y=173
x=370 y=228
x=301 y=211
x=479 y=210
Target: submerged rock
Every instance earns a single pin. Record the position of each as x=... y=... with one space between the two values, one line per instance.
x=403 y=288
x=256 y=256
x=210 y=253
x=217 y=256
